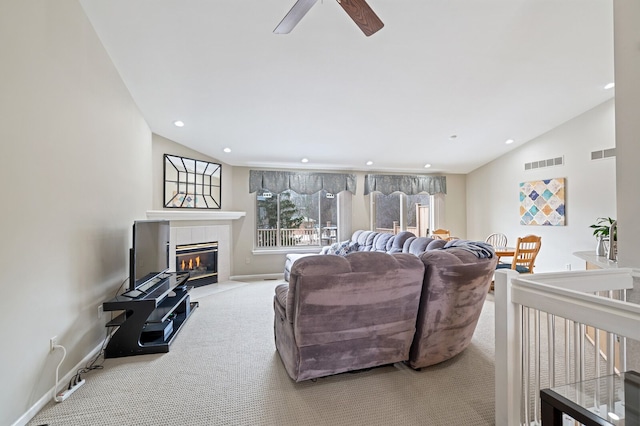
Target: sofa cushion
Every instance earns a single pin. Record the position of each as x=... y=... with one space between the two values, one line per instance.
x=362 y=240
x=380 y=241
x=281 y=295
x=361 y=237
x=399 y=240
x=519 y=268
x=290 y=259
x=356 y=234
x=368 y=242
x=436 y=244
x=390 y=244
x=416 y=245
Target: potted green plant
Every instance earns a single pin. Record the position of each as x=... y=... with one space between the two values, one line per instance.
x=601 y=232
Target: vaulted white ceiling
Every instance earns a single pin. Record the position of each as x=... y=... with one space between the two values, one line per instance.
x=483 y=70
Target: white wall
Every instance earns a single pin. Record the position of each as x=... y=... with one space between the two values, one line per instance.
x=492 y=190
x=76 y=173
x=455 y=209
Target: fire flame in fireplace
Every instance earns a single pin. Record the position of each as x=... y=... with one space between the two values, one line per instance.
x=188 y=265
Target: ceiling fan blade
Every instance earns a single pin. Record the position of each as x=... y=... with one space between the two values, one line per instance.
x=362 y=15
x=294 y=16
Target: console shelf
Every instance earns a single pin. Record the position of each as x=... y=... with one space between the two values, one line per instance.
x=150 y=321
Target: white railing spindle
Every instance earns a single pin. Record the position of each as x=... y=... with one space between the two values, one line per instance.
x=565 y=295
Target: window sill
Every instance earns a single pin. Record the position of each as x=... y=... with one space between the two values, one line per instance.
x=286 y=250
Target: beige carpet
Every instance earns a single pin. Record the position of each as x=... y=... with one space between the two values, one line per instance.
x=223 y=369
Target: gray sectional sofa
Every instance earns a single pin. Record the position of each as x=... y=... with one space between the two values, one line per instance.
x=371 y=308
x=347 y=313
x=361 y=241
x=454 y=288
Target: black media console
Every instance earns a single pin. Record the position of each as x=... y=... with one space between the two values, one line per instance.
x=150 y=320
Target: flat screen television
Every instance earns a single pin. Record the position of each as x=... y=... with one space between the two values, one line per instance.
x=149 y=256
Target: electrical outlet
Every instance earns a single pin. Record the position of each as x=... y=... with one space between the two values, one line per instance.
x=100 y=311
x=568 y=266
x=53 y=342
x=247 y=260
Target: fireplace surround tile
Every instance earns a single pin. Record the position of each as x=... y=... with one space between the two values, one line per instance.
x=198 y=234
x=190 y=226
x=184 y=234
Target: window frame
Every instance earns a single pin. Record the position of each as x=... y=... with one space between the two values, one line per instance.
x=436 y=209
x=310 y=248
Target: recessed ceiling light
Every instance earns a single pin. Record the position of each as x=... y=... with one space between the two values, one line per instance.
x=369 y=163
x=509 y=141
x=178 y=123
x=227 y=150
x=426 y=166
x=305 y=160
x=609 y=86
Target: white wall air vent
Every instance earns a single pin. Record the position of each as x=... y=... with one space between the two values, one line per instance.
x=603 y=153
x=558 y=161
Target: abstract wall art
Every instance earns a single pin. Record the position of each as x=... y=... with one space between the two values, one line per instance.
x=542 y=202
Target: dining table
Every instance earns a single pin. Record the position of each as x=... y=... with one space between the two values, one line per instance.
x=504 y=252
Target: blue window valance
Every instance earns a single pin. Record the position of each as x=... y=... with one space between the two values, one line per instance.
x=409 y=184
x=301 y=182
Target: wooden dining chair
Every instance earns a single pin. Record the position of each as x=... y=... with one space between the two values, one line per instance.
x=525 y=255
x=496 y=240
x=441 y=234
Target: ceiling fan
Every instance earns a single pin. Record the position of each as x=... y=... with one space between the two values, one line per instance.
x=364 y=17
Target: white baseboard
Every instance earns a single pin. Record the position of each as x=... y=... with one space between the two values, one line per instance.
x=257 y=277
x=44 y=400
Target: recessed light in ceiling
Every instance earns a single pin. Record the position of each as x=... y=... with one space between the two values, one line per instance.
x=509 y=141
x=369 y=163
x=305 y=160
x=426 y=166
x=178 y=123
x=609 y=86
x=227 y=150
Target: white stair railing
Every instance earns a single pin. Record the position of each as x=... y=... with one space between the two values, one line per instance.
x=577 y=299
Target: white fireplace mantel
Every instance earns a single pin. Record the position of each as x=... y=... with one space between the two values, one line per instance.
x=195 y=226
x=194 y=215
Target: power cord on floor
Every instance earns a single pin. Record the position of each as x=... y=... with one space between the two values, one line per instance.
x=93 y=364
x=64 y=394
x=55 y=386
x=71 y=388
x=77 y=380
